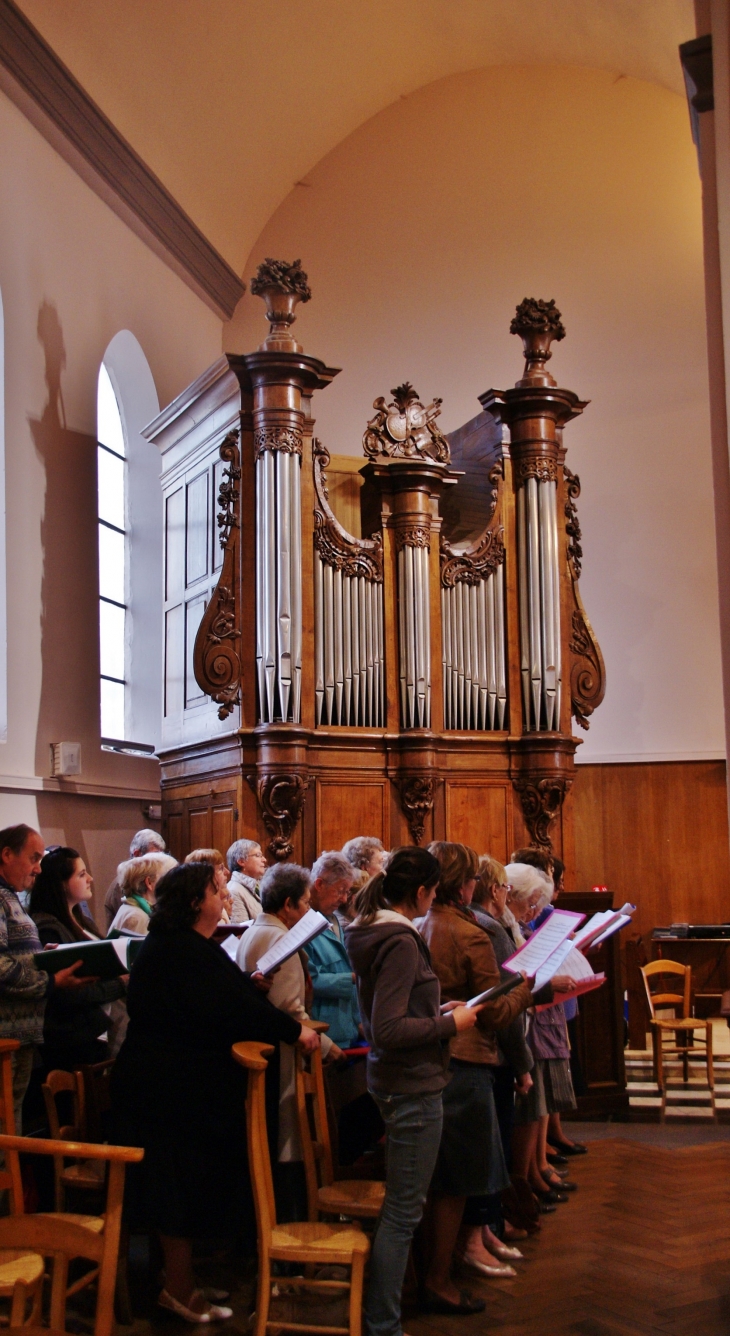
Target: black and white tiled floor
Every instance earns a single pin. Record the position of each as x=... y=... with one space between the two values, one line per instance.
x=692 y=1101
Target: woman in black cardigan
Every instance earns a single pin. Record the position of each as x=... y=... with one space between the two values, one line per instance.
x=176 y=1089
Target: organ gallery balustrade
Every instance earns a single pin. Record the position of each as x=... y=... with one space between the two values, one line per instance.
x=417 y=682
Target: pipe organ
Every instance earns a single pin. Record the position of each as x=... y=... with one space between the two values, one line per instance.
x=417 y=682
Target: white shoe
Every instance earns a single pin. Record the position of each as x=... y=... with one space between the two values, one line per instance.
x=503 y=1252
x=214 y=1313
x=215 y=1296
x=483 y=1268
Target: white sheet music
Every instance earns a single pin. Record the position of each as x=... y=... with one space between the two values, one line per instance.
x=602 y=925
x=544 y=942
x=308 y=927
x=596 y=921
x=552 y=965
x=619 y=923
x=230 y=946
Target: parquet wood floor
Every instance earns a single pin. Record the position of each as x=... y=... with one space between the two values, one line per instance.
x=641 y=1249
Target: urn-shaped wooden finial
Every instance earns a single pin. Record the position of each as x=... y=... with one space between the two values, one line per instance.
x=282 y=287
x=537 y=323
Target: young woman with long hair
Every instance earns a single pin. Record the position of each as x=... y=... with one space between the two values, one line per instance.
x=407 y=1066
x=74 y=1018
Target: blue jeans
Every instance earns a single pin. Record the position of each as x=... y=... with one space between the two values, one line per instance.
x=413 y=1126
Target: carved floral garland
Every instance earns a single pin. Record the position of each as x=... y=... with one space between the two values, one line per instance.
x=216 y=656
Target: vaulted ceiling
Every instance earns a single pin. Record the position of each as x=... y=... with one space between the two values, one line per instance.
x=232 y=102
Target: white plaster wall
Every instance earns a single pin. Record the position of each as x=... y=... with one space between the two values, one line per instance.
x=422 y=231
x=72 y=275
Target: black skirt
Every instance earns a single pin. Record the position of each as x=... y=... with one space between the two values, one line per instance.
x=193 y=1181
x=470 y=1160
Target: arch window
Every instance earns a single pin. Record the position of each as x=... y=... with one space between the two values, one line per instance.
x=113 y=561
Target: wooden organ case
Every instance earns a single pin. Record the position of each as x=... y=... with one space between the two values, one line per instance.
x=414 y=684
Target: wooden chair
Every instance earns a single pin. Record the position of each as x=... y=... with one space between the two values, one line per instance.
x=63 y=1237
x=95 y=1092
x=311 y=1243
x=88 y=1176
x=682 y=1025
x=21 y=1272
x=360 y=1198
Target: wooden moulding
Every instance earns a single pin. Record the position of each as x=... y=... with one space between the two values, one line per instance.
x=54 y=101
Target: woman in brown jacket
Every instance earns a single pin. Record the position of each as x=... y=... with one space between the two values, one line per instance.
x=471 y=1160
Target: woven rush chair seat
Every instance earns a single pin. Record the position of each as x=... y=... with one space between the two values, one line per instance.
x=361 y=1198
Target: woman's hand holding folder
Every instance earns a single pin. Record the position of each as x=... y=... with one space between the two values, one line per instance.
x=67 y=978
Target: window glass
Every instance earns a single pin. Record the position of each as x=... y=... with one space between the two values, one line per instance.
x=111 y=563
x=112 y=710
x=111 y=471
x=111 y=640
x=112 y=511
x=109 y=429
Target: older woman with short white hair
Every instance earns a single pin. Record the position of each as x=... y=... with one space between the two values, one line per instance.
x=138 y=878
x=367 y=853
x=530 y=893
x=247 y=865
x=333 y=982
x=285 y=899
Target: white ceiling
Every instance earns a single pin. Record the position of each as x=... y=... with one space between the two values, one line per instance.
x=232 y=102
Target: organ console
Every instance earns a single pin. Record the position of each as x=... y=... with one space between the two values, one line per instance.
x=415 y=683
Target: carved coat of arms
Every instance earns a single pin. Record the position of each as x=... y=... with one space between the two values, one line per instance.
x=406 y=428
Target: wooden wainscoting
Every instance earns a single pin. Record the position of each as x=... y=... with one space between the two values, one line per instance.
x=347 y=807
x=480 y=814
x=655 y=833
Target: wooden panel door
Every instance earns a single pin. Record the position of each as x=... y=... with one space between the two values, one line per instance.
x=198 y=827
x=222 y=822
x=174 y=835
x=203 y=821
x=480 y=814
x=346 y=808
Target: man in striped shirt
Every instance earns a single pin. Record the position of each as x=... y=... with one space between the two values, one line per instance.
x=23 y=987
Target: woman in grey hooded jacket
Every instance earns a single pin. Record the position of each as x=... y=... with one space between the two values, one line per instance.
x=408 y=1062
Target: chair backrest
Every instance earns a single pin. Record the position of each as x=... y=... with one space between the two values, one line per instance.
x=65 y=1239
x=655 y=973
x=9 y=1176
x=314 y=1132
x=65 y=1083
x=95 y=1086
x=254 y=1058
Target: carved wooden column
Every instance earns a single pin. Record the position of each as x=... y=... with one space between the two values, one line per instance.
x=409 y=465
x=283 y=379
x=535 y=411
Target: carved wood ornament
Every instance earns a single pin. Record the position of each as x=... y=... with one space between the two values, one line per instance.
x=405 y=429
x=587 y=669
x=541 y=801
x=336 y=547
x=416 y=799
x=287 y=440
x=411 y=535
x=217 y=656
x=281 y=798
x=481 y=560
